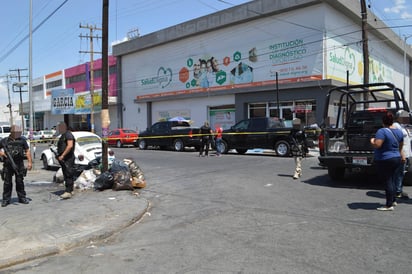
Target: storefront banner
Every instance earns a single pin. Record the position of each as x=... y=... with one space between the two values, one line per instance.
x=83 y=102
x=66 y=101
x=62 y=101
x=247 y=59
x=224 y=118
x=343 y=58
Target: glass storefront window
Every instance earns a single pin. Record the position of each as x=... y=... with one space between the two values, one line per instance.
x=257 y=110
x=304 y=110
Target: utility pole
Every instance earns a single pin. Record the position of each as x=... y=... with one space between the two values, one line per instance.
x=105 y=84
x=364 y=14
x=92 y=52
x=20 y=84
x=9 y=106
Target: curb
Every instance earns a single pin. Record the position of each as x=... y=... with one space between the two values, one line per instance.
x=70 y=243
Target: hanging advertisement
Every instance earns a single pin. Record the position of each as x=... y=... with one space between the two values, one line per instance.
x=66 y=101
x=62 y=101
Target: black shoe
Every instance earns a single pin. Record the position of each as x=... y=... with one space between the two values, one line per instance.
x=24 y=201
x=5 y=203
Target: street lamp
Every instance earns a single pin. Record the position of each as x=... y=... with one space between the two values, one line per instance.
x=406 y=37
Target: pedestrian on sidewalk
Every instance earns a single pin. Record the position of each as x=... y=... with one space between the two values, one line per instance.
x=65 y=156
x=16 y=147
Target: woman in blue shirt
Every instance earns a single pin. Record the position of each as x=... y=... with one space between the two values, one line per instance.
x=388 y=144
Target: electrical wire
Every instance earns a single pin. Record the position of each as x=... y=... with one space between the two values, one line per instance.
x=7 y=54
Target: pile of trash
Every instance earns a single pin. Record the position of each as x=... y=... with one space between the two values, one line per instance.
x=122 y=175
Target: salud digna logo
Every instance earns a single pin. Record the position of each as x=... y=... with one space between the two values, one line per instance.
x=163 y=78
x=347 y=60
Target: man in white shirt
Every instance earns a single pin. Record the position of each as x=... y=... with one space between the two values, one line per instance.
x=402 y=117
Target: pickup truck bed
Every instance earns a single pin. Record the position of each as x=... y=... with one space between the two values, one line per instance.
x=352 y=116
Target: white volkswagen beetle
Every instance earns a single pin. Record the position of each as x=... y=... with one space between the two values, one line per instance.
x=88 y=146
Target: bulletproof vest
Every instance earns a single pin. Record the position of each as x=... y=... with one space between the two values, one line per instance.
x=16 y=149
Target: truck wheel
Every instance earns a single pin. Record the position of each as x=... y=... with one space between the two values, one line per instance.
x=336 y=173
x=142 y=144
x=178 y=145
x=241 y=150
x=282 y=148
x=224 y=149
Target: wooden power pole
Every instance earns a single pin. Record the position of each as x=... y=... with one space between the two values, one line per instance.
x=92 y=52
x=365 y=43
x=105 y=83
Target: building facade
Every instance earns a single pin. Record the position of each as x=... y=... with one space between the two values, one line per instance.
x=263 y=58
x=74 y=83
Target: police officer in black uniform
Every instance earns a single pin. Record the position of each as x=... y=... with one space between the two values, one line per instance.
x=205 y=135
x=65 y=156
x=17 y=147
x=299 y=148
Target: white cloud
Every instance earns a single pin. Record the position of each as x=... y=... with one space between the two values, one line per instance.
x=398 y=8
x=406 y=15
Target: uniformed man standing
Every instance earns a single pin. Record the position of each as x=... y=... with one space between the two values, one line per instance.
x=17 y=147
x=299 y=148
x=65 y=156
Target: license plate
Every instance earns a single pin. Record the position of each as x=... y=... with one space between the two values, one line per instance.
x=360 y=161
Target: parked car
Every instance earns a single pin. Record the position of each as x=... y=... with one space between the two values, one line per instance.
x=122 y=136
x=170 y=134
x=45 y=135
x=88 y=146
x=258 y=132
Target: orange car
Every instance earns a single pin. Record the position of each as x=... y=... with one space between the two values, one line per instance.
x=122 y=136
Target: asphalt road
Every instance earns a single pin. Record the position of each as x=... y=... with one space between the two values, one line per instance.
x=245 y=214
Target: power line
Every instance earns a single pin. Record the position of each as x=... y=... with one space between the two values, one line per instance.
x=7 y=54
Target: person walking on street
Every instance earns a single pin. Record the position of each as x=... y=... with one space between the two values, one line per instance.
x=402 y=118
x=16 y=147
x=388 y=143
x=205 y=135
x=65 y=156
x=299 y=148
x=218 y=141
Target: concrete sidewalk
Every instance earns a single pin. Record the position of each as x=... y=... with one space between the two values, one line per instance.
x=49 y=225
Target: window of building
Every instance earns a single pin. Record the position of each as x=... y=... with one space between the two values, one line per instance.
x=257 y=110
x=53 y=84
x=38 y=88
x=286 y=110
x=76 y=79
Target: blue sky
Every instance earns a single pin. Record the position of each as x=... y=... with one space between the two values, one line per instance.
x=56 y=43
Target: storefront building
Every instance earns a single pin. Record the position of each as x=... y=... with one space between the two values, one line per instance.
x=66 y=95
x=263 y=58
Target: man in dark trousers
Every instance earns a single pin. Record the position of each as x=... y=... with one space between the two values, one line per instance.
x=16 y=147
x=299 y=148
x=65 y=156
x=205 y=135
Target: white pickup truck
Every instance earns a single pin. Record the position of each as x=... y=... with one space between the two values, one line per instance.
x=4 y=131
